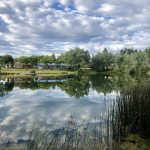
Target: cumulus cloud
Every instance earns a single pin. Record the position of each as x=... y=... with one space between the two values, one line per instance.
x=28 y=27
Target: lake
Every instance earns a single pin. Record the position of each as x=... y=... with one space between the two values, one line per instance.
x=51 y=102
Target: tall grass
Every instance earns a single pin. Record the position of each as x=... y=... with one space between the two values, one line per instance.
x=131 y=113
x=71 y=137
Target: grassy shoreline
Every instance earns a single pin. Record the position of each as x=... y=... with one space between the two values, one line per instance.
x=48 y=72
x=38 y=72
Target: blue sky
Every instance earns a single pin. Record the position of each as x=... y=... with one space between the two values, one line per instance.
x=41 y=27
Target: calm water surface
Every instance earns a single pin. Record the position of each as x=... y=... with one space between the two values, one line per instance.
x=52 y=101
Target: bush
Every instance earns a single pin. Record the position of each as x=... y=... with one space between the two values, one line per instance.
x=33 y=72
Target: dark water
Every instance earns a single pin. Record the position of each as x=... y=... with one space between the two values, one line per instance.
x=112 y=102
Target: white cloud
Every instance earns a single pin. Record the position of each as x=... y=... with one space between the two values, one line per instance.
x=106 y=8
x=43 y=24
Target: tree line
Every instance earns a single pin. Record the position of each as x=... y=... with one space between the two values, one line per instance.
x=128 y=60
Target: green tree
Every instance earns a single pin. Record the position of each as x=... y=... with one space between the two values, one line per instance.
x=142 y=62
x=8 y=60
x=53 y=58
x=48 y=59
x=77 y=58
x=61 y=59
x=131 y=63
x=102 y=61
x=1 y=61
x=24 y=60
x=33 y=60
x=128 y=51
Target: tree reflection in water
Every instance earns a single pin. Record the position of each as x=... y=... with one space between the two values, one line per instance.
x=77 y=86
x=2 y=90
x=6 y=86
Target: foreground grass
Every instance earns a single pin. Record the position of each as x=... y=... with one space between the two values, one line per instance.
x=38 y=72
x=134 y=142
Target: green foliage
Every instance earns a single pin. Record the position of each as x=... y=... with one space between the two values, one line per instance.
x=47 y=59
x=34 y=60
x=23 y=59
x=6 y=60
x=33 y=72
x=1 y=61
x=129 y=60
x=77 y=58
x=131 y=63
x=147 y=50
x=102 y=61
x=77 y=87
x=128 y=51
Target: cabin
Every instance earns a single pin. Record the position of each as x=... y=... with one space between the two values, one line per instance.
x=18 y=65
x=50 y=80
x=52 y=66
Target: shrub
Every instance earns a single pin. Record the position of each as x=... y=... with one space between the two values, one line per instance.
x=33 y=72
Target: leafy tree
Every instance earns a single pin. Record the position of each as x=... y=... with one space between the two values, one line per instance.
x=23 y=59
x=33 y=60
x=48 y=59
x=53 y=57
x=131 y=63
x=77 y=58
x=8 y=60
x=45 y=59
x=142 y=62
x=147 y=50
x=128 y=51
x=102 y=61
x=61 y=59
x=1 y=61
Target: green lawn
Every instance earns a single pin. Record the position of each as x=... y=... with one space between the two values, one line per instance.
x=44 y=72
